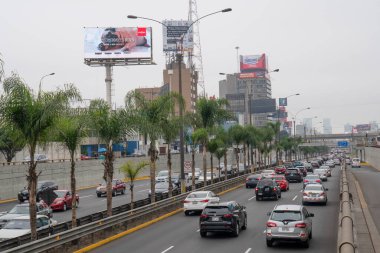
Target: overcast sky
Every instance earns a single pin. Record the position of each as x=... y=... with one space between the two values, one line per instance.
x=327 y=50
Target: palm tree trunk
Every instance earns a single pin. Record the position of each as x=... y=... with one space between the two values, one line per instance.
x=131 y=189
x=73 y=191
x=170 y=172
x=152 y=153
x=219 y=167
x=212 y=168
x=109 y=175
x=193 y=169
x=237 y=157
x=204 y=165
x=225 y=165
x=248 y=154
x=245 y=157
x=32 y=188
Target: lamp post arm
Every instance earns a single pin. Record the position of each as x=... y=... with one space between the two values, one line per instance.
x=154 y=20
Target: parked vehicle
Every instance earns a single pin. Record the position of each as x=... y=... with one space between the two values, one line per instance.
x=293 y=174
x=252 y=180
x=355 y=163
x=289 y=223
x=228 y=217
x=162 y=176
x=197 y=173
x=23 y=209
x=63 y=200
x=267 y=188
x=21 y=226
x=118 y=186
x=314 y=193
x=197 y=201
x=41 y=158
x=43 y=188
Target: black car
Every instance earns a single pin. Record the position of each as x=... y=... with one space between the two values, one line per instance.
x=267 y=188
x=161 y=188
x=293 y=174
x=45 y=191
x=252 y=180
x=228 y=217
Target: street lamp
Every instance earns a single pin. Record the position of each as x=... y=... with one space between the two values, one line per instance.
x=179 y=58
x=39 y=87
x=295 y=118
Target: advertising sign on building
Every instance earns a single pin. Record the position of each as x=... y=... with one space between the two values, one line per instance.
x=363 y=128
x=173 y=30
x=283 y=101
x=253 y=63
x=118 y=43
x=263 y=105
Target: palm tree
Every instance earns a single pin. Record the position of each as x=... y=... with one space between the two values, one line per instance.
x=238 y=136
x=131 y=171
x=71 y=131
x=33 y=117
x=219 y=154
x=1 y=68
x=10 y=142
x=212 y=147
x=224 y=137
x=147 y=118
x=276 y=127
x=201 y=136
x=111 y=126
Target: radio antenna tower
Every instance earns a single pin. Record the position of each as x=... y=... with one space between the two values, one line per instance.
x=195 y=56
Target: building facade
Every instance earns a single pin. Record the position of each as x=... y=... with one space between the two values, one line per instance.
x=327 y=128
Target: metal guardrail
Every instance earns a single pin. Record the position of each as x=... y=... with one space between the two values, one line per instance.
x=95 y=223
x=346 y=244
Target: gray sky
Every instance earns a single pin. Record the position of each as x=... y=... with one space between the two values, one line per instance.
x=327 y=50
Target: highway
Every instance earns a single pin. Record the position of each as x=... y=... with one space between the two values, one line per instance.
x=369 y=179
x=179 y=233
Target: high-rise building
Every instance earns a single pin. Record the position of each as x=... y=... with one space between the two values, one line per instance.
x=308 y=123
x=374 y=126
x=348 y=128
x=327 y=128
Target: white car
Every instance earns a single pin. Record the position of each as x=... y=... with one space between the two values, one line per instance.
x=196 y=174
x=268 y=173
x=321 y=173
x=37 y=158
x=197 y=201
x=328 y=170
x=314 y=193
x=162 y=176
x=355 y=162
x=208 y=176
x=21 y=226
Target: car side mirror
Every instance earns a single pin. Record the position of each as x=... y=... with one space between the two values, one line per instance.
x=268 y=213
x=311 y=215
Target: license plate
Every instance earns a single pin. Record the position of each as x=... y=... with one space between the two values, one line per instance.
x=266 y=189
x=24 y=197
x=195 y=202
x=215 y=218
x=286 y=229
x=260 y=193
x=291 y=174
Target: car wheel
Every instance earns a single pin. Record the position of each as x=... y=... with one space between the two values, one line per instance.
x=269 y=243
x=64 y=207
x=306 y=243
x=325 y=203
x=99 y=195
x=122 y=191
x=244 y=227
x=187 y=213
x=113 y=193
x=203 y=233
x=257 y=198
x=246 y=186
x=311 y=234
x=236 y=230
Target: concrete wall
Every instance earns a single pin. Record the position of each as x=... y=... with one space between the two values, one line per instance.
x=372 y=156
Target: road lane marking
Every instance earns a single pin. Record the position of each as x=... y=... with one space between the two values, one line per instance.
x=167 y=249
x=301 y=190
x=295 y=198
x=252 y=198
x=144 y=190
x=198 y=230
x=248 y=250
x=85 y=196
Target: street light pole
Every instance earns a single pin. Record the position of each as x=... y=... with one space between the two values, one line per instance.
x=295 y=119
x=39 y=87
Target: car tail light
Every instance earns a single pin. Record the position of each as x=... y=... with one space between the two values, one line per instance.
x=300 y=225
x=247 y=179
x=204 y=216
x=318 y=181
x=305 y=194
x=305 y=180
x=322 y=194
x=271 y=224
x=228 y=216
x=274 y=189
x=256 y=189
x=186 y=201
x=204 y=201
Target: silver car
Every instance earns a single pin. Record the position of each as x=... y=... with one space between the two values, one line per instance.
x=321 y=173
x=314 y=193
x=289 y=223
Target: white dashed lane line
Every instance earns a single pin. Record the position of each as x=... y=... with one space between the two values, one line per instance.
x=167 y=249
x=294 y=197
x=248 y=250
x=252 y=198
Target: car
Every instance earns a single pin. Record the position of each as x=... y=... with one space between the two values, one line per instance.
x=138 y=153
x=118 y=186
x=174 y=151
x=197 y=173
x=293 y=174
x=85 y=157
x=162 y=176
x=268 y=173
x=63 y=201
x=321 y=173
x=197 y=201
x=176 y=179
x=330 y=163
x=337 y=161
x=44 y=190
x=298 y=163
x=315 y=164
x=348 y=161
x=23 y=209
x=251 y=181
x=41 y=158
x=280 y=169
x=228 y=217
x=281 y=181
x=267 y=188
x=311 y=179
x=303 y=170
x=21 y=226
x=289 y=223
x=208 y=176
x=314 y=193
x=328 y=170
x=288 y=164
x=355 y=163
x=163 y=187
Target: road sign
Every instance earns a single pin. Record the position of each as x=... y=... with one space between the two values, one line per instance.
x=187 y=165
x=343 y=144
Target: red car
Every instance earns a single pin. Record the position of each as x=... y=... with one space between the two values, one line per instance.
x=118 y=186
x=85 y=157
x=63 y=200
x=280 y=169
x=282 y=182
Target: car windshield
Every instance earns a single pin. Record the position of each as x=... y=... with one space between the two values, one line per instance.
x=217 y=209
x=162 y=186
x=263 y=183
x=162 y=174
x=19 y=210
x=313 y=188
x=312 y=177
x=17 y=224
x=60 y=194
x=197 y=195
x=287 y=215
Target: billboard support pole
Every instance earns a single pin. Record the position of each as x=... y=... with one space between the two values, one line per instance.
x=108 y=84
x=181 y=137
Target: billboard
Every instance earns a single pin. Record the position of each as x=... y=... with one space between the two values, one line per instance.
x=249 y=75
x=173 y=30
x=282 y=101
x=263 y=105
x=253 y=63
x=117 y=42
x=363 y=128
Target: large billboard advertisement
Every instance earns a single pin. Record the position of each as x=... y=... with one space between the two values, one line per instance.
x=117 y=42
x=252 y=63
x=263 y=105
x=173 y=30
x=363 y=128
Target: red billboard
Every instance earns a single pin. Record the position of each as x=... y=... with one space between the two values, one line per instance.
x=253 y=63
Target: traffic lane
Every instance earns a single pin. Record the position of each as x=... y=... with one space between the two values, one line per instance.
x=180 y=233
x=369 y=179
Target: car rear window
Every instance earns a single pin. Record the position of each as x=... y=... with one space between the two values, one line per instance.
x=197 y=195
x=263 y=183
x=217 y=209
x=313 y=188
x=280 y=215
x=312 y=177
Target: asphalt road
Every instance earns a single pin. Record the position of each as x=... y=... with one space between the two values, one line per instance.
x=369 y=179
x=179 y=233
